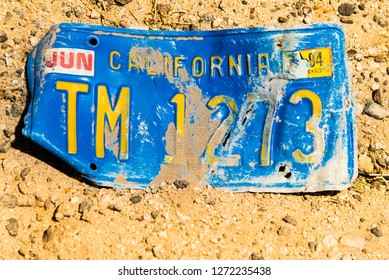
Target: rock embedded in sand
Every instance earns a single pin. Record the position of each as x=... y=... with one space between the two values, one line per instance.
x=347 y=9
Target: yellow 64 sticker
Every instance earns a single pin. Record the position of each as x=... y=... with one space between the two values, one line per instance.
x=310 y=63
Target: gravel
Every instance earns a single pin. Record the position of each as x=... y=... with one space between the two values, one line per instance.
x=3 y=37
x=376 y=111
x=256 y=257
x=290 y=220
x=118 y=207
x=376 y=231
x=158 y=251
x=136 y=199
x=52 y=233
x=181 y=184
x=356 y=242
x=84 y=206
x=4 y=147
x=25 y=172
x=380 y=21
x=329 y=241
x=9 y=200
x=379 y=97
x=347 y=9
x=12 y=227
x=16 y=110
x=312 y=245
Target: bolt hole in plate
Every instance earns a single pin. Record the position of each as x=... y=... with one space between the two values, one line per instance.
x=93 y=41
x=128 y=108
x=93 y=166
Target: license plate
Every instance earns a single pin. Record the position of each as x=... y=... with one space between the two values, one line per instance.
x=258 y=109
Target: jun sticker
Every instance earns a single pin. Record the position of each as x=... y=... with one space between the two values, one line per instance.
x=311 y=63
x=70 y=61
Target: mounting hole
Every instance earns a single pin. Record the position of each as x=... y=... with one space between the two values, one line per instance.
x=93 y=41
x=93 y=166
x=281 y=43
x=288 y=175
x=282 y=168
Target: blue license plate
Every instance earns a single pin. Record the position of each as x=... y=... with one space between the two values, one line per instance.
x=258 y=109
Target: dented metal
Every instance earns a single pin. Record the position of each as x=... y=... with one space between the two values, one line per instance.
x=260 y=109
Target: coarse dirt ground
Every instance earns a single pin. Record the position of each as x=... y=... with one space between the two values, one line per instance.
x=48 y=212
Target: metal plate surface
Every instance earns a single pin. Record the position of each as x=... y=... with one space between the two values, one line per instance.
x=259 y=109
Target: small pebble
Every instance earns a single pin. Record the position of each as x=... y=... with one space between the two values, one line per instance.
x=193 y=27
x=51 y=234
x=359 y=56
x=78 y=11
x=65 y=210
x=7 y=133
x=25 y=172
x=333 y=252
x=312 y=245
x=365 y=164
x=116 y=207
x=136 y=199
x=285 y=229
x=376 y=111
x=4 y=147
x=181 y=184
x=255 y=257
x=158 y=251
x=378 y=97
x=380 y=21
x=290 y=220
x=16 y=110
x=12 y=227
x=94 y=14
x=351 y=53
x=3 y=37
x=216 y=23
x=9 y=200
x=306 y=10
x=48 y=205
x=378 y=59
x=347 y=20
x=347 y=9
x=154 y=214
x=375 y=86
x=163 y=9
x=355 y=242
x=84 y=206
x=329 y=241
x=206 y=17
x=23 y=251
x=376 y=231
x=359 y=67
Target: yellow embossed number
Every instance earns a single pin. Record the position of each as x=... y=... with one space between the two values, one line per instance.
x=179 y=100
x=222 y=133
x=312 y=126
